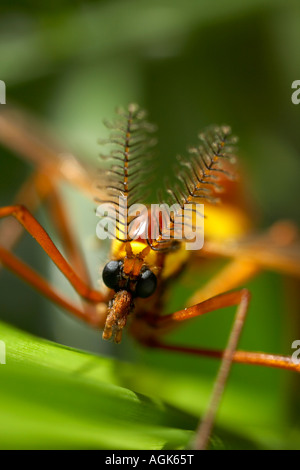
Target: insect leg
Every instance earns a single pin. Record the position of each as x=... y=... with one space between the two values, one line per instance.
x=205 y=427
x=10 y=230
x=278 y=249
x=247 y=261
x=163 y=324
x=36 y=230
x=90 y=315
x=233 y=275
x=59 y=216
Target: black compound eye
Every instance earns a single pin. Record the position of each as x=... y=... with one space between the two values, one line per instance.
x=146 y=284
x=111 y=274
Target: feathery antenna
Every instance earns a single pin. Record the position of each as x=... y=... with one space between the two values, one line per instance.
x=200 y=178
x=131 y=140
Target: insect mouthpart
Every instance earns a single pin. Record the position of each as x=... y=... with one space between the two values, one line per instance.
x=118 y=310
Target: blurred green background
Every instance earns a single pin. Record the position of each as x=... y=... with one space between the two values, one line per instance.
x=190 y=64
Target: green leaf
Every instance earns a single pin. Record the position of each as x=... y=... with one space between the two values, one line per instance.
x=55 y=397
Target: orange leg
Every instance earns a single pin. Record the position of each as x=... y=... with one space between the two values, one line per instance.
x=247 y=261
x=241 y=299
x=52 y=164
x=58 y=215
x=20 y=132
x=38 y=188
x=241 y=357
x=277 y=249
x=162 y=324
x=36 y=230
x=232 y=276
x=88 y=314
x=10 y=230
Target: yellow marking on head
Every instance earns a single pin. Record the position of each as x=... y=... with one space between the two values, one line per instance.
x=137 y=249
x=172 y=263
x=221 y=222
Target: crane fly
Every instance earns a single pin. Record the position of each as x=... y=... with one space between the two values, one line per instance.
x=143 y=262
